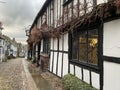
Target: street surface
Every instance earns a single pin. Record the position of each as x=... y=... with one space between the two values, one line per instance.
x=14 y=75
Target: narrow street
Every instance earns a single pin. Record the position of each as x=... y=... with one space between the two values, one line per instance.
x=14 y=75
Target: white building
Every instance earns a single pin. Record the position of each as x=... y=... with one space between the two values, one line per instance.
x=82 y=38
x=1 y=43
x=1 y=49
x=13 y=50
x=21 y=50
x=10 y=47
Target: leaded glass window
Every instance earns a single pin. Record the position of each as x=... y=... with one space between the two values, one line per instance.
x=85 y=46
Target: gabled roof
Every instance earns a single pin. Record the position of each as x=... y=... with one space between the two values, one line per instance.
x=9 y=40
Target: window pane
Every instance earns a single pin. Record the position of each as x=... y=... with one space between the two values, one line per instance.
x=75 y=48
x=93 y=46
x=83 y=47
x=82 y=52
x=82 y=39
x=46 y=46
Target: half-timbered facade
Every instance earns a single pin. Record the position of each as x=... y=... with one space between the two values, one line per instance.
x=80 y=37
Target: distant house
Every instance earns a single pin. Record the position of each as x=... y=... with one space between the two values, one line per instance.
x=14 y=47
x=11 y=47
x=2 y=55
x=1 y=43
x=21 y=50
x=80 y=37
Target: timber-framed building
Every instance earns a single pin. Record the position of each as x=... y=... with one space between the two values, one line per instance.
x=80 y=37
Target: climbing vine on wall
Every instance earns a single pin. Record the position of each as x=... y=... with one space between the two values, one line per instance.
x=100 y=13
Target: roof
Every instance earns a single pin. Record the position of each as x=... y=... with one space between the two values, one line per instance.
x=1 y=36
x=9 y=40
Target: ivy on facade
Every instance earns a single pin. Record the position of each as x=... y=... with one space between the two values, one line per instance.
x=100 y=12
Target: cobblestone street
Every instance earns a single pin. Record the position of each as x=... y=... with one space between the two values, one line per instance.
x=18 y=74
x=14 y=75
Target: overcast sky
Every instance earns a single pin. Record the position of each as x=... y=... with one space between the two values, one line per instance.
x=16 y=15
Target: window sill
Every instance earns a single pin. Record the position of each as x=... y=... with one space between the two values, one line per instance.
x=91 y=67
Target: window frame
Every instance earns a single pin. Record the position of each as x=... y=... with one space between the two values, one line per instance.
x=89 y=66
x=46 y=46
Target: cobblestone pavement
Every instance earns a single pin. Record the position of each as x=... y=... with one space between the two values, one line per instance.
x=14 y=75
x=41 y=83
x=54 y=80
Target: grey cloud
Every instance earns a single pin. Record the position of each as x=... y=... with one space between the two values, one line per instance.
x=18 y=9
x=18 y=14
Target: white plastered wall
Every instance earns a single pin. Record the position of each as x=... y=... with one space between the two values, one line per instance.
x=95 y=80
x=55 y=44
x=51 y=54
x=55 y=62
x=60 y=43
x=111 y=48
x=111 y=42
x=101 y=1
x=59 y=64
x=78 y=72
x=52 y=16
x=65 y=64
x=51 y=58
x=111 y=76
x=65 y=55
x=71 y=69
x=66 y=42
x=41 y=46
x=36 y=51
x=55 y=14
x=51 y=44
x=86 y=75
x=47 y=15
x=59 y=9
